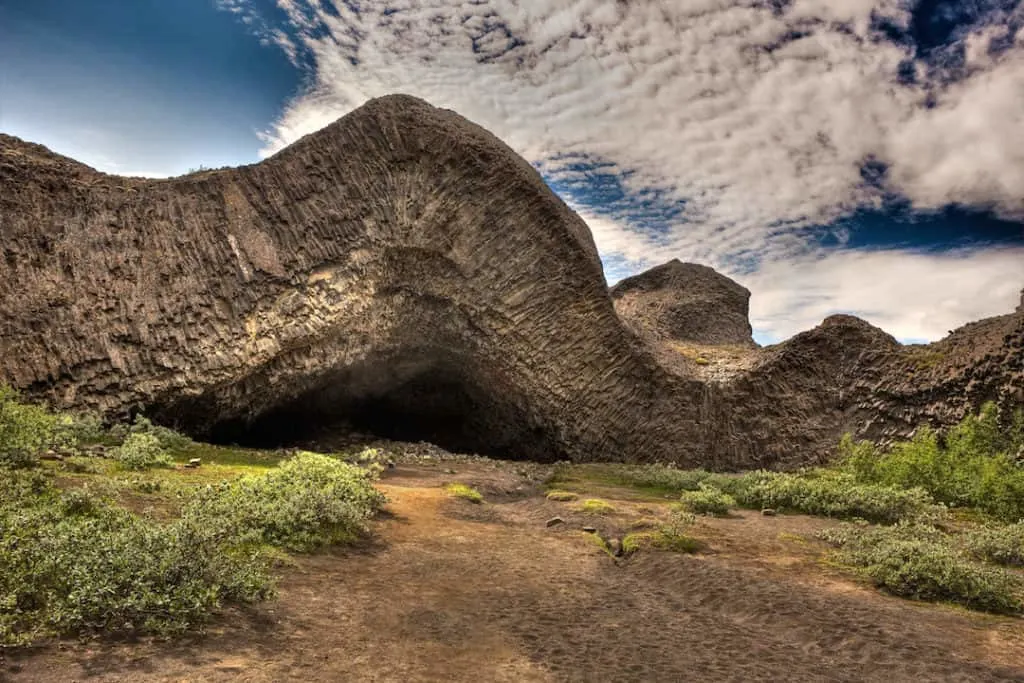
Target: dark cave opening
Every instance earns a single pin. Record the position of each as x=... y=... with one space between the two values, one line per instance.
x=430 y=397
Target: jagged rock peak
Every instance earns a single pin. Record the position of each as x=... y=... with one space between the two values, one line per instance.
x=685 y=302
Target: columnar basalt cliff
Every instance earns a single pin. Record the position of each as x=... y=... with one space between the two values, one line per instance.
x=405 y=271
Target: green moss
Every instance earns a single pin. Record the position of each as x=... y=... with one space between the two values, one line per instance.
x=464 y=492
x=562 y=496
x=595 y=506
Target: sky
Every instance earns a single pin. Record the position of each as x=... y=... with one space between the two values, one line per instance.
x=833 y=156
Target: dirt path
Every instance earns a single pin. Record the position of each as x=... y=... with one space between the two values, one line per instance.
x=455 y=592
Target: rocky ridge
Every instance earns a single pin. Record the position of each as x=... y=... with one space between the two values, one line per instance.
x=403 y=270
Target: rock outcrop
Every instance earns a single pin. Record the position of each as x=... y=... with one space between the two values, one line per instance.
x=685 y=302
x=405 y=271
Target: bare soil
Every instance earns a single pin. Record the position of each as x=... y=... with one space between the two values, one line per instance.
x=451 y=591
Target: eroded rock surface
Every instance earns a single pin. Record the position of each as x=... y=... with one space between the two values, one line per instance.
x=405 y=271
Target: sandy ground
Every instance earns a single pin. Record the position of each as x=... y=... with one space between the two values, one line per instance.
x=450 y=591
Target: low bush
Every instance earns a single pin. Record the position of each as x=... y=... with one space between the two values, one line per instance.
x=168 y=439
x=307 y=502
x=26 y=430
x=974 y=465
x=707 y=500
x=1000 y=545
x=920 y=562
x=561 y=496
x=671 y=536
x=72 y=563
x=832 y=494
x=141 y=451
x=662 y=477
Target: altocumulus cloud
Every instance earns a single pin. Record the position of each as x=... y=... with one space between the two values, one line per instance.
x=737 y=133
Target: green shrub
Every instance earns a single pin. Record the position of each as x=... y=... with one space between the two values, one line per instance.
x=920 y=562
x=664 y=477
x=972 y=466
x=1001 y=545
x=831 y=494
x=26 y=430
x=307 y=502
x=671 y=536
x=707 y=500
x=169 y=439
x=595 y=506
x=73 y=563
x=561 y=496
x=142 y=451
x=464 y=492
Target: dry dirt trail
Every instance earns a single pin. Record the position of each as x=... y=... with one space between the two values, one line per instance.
x=456 y=592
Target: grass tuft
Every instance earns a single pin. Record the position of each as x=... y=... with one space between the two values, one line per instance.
x=464 y=492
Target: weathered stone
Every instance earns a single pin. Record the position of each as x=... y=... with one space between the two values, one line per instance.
x=404 y=273
x=769 y=512
x=554 y=521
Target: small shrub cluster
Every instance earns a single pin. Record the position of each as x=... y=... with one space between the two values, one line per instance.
x=974 y=465
x=168 y=439
x=707 y=500
x=307 y=502
x=26 y=430
x=71 y=562
x=671 y=536
x=920 y=562
x=561 y=496
x=141 y=451
x=998 y=544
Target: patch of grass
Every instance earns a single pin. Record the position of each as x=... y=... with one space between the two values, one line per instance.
x=671 y=536
x=595 y=506
x=601 y=544
x=923 y=563
x=998 y=544
x=464 y=492
x=707 y=500
x=562 y=496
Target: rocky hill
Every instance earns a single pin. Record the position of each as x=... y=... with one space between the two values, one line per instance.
x=405 y=272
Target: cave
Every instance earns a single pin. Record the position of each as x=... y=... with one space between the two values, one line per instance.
x=426 y=395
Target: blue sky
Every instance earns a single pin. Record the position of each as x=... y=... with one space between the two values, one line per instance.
x=861 y=156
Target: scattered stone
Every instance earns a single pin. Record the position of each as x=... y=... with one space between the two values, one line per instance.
x=615 y=547
x=194 y=463
x=554 y=521
x=768 y=512
x=391 y=464
x=590 y=529
x=450 y=471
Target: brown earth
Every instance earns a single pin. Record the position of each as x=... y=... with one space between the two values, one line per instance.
x=456 y=592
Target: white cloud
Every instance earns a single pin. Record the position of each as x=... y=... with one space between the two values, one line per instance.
x=759 y=119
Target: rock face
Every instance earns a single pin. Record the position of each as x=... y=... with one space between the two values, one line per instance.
x=685 y=302
x=404 y=271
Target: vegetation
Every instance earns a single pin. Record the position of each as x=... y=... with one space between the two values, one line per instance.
x=923 y=563
x=74 y=561
x=561 y=496
x=707 y=500
x=141 y=451
x=974 y=465
x=998 y=544
x=671 y=536
x=596 y=506
x=465 y=493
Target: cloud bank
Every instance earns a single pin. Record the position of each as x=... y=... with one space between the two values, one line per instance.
x=730 y=132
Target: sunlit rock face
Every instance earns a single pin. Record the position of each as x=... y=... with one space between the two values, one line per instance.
x=404 y=272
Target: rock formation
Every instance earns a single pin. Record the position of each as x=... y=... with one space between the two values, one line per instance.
x=405 y=271
x=685 y=302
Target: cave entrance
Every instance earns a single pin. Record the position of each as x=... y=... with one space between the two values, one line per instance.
x=428 y=396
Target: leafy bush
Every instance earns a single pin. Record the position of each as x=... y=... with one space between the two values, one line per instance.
x=169 y=439
x=920 y=562
x=832 y=495
x=1001 y=545
x=71 y=562
x=972 y=466
x=307 y=502
x=596 y=506
x=707 y=500
x=25 y=430
x=142 y=451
